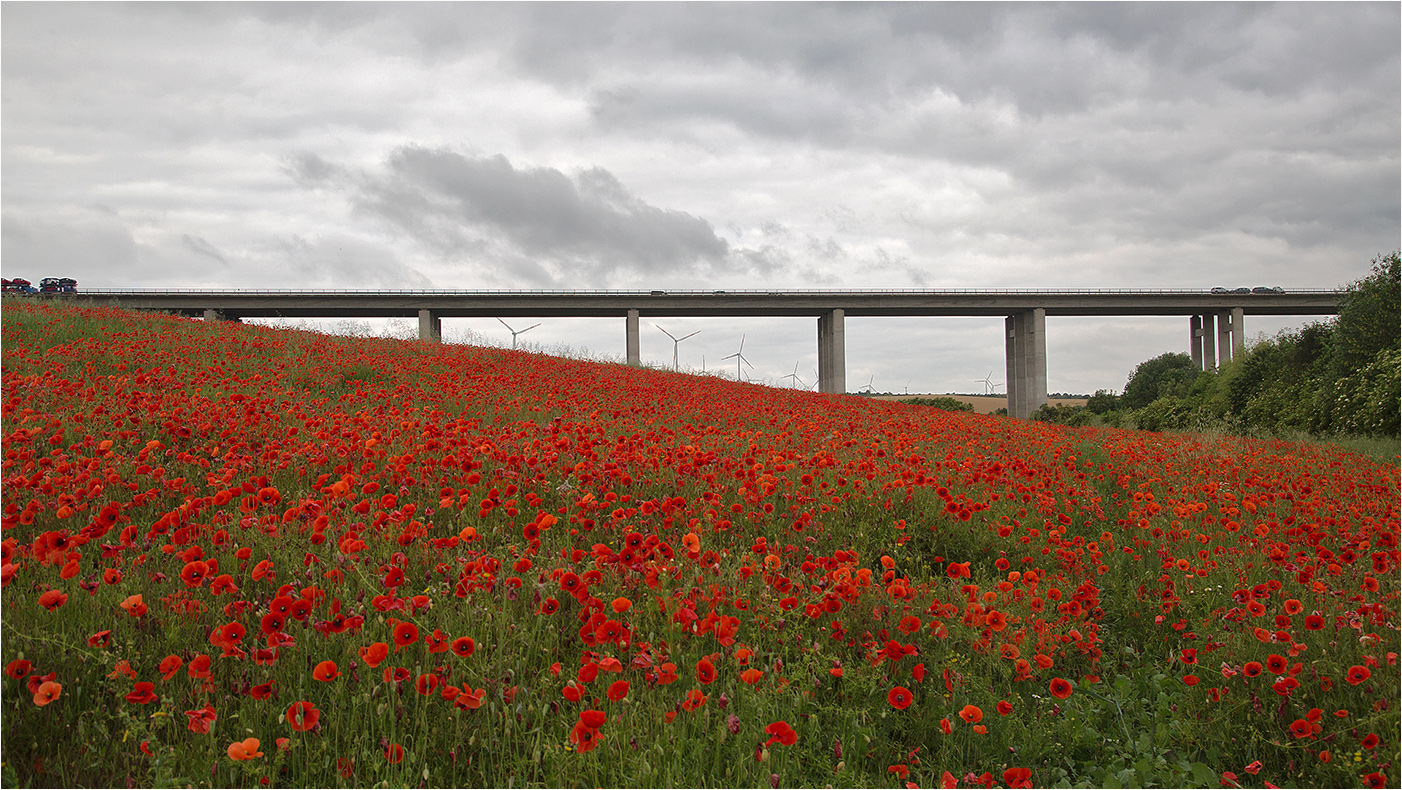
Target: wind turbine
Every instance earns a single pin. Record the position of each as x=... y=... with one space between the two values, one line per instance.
x=988 y=386
x=794 y=375
x=739 y=357
x=676 y=341
x=868 y=387
x=515 y=332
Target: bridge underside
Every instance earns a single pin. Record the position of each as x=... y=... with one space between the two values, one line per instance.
x=1216 y=320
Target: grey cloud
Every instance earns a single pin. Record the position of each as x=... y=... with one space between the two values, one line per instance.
x=201 y=246
x=587 y=224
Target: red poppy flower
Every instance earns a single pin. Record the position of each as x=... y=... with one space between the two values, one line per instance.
x=1357 y=674
x=142 y=693
x=1018 y=777
x=1060 y=688
x=918 y=672
x=52 y=599
x=1277 y=664
x=1252 y=669
x=18 y=668
x=200 y=720
x=100 y=639
x=583 y=737
x=1190 y=655
x=437 y=641
x=899 y=697
x=693 y=700
x=1369 y=741
x=1004 y=707
x=618 y=690
x=971 y=714
x=405 y=634
x=326 y=671
x=1314 y=622
x=1375 y=779
x=262 y=691
x=303 y=716
x=374 y=654
x=395 y=674
x=751 y=676
x=705 y=672
x=464 y=646
x=781 y=732
x=426 y=684
x=593 y=718
x=394 y=753
x=193 y=574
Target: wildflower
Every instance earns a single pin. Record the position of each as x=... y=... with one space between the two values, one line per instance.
x=618 y=690
x=899 y=697
x=971 y=714
x=18 y=668
x=47 y=692
x=1018 y=777
x=302 y=716
x=134 y=606
x=1004 y=707
x=142 y=693
x=247 y=749
x=394 y=753
x=200 y=720
x=464 y=646
x=374 y=654
x=326 y=671
x=52 y=599
x=1357 y=674
x=1060 y=688
x=781 y=732
x=705 y=672
x=405 y=634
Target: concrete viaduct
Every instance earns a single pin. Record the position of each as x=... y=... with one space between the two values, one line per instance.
x=1216 y=320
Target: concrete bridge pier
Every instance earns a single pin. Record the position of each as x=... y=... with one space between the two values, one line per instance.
x=1025 y=349
x=211 y=314
x=1224 y=337
x=1214 y=339
x=832 y=352
x=635 y=357
x=430 y=327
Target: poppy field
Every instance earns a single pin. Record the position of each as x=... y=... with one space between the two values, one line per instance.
x=241 y=556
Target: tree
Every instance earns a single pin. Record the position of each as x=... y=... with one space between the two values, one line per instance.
x=1167 y=375
x=1369 y=314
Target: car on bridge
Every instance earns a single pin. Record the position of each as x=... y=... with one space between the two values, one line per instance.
x=58 y=285
x=19 y=285
x=1261 y=289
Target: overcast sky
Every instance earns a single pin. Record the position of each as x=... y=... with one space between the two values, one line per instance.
x=718 y=146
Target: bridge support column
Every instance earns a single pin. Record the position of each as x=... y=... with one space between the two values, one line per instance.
x=1026 y=350
x=1209 y=341
x=1225 y=330
x=430 y=327
x=1195 y=340
x=635 y=357
x=213 y=314
x=832 y=353
x=1238 y=331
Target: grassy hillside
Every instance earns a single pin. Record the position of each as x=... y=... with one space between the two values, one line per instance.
x=236 y=556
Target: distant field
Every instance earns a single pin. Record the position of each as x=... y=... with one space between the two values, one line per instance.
x=983 y=404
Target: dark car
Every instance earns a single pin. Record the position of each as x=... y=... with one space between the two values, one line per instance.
x=58 y=285
x=1241 y=290
x=19 y=285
